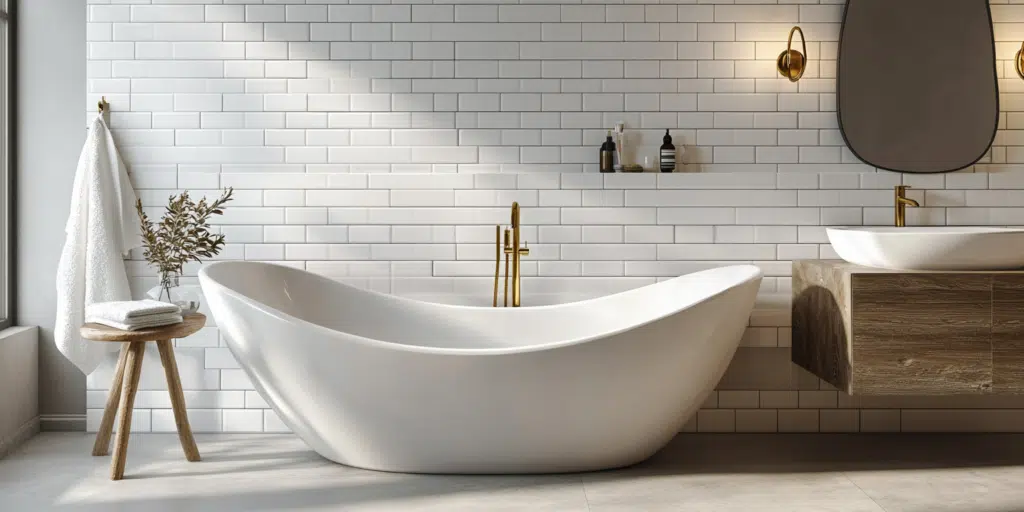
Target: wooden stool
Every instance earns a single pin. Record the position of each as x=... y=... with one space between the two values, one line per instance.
x=126 y=383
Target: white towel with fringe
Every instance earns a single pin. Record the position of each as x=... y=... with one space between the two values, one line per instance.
x=101 y=229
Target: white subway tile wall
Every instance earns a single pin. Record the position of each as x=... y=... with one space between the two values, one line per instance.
x=378 y=143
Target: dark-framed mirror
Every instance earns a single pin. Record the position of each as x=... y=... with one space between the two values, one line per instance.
x=917 y=87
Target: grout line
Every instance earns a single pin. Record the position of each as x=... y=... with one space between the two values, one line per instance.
x=586 y=498
x=859 y=488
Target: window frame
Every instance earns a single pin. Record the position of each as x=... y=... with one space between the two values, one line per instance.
x=8 y=15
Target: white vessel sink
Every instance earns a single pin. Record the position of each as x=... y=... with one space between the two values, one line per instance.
x=930 y=248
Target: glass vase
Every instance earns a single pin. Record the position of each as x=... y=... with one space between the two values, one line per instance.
x=169 y=283
x=170 y=290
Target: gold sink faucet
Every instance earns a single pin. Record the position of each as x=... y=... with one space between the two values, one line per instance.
x=510 y=248
x=902 y=202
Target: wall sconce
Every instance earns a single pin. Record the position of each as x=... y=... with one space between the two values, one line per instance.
x=791 y=62
x=1018 y=61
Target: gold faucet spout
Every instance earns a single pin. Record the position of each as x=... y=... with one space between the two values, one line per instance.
x=516 y=252
x=901 y=203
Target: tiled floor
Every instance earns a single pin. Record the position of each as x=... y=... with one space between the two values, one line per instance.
x=820 y=473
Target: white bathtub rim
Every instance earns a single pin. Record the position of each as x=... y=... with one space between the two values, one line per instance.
x=754 y=274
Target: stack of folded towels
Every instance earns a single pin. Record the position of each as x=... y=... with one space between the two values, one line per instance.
x=133 y=315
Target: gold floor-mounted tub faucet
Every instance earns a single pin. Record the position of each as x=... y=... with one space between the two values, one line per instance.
x=901 y=204
x=510 y=248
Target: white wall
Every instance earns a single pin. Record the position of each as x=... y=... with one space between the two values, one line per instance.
x=51 y=78
x=379 y=144
x=19 y=383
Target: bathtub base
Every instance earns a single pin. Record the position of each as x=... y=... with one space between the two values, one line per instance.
x=467 y=464
x=499 y=470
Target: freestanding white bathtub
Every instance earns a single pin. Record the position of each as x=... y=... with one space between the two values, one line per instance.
x=392 y=384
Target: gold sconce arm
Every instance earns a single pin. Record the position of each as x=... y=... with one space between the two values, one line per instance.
x=791 y=63
x=1018 y=61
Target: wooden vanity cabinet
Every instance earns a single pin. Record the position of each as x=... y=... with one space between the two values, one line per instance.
x=873 y=331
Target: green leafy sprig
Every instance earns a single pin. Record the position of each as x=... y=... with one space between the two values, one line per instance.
x=183 y=234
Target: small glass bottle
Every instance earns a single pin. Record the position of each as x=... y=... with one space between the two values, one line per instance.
x=668 y=154
x=608 y=154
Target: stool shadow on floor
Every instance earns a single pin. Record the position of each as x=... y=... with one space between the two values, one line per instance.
x=221 y=461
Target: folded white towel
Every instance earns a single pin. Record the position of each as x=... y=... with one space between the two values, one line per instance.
x=138 y=324
x=125 y=311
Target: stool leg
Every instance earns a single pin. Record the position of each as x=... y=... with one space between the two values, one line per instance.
x=133 y=369
x=102 y=444
x=188 y=443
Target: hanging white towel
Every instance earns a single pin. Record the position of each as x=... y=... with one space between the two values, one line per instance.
x=102 y=227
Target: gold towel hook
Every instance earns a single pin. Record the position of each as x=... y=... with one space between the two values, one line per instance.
x=1018 y=61
x=792 y=63
x=102 y=105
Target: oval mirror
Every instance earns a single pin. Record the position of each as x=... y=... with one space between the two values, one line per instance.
x=916 y=86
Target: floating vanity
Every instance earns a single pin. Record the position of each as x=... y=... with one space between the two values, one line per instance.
x=872 y=331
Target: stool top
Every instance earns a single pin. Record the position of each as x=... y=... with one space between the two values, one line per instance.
x=99 y=332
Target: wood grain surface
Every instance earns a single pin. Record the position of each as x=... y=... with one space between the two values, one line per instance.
x=821 y=322
x=188 y=443
x=133 y=370
x=882 y=332
x=1008 y=333
x=98 y=332
x=102 y=444
x=126 y=383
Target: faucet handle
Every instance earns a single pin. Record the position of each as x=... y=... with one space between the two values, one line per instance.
x=525 y=249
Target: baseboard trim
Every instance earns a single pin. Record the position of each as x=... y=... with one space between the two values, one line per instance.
x=24 y=433
x=62 y=422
